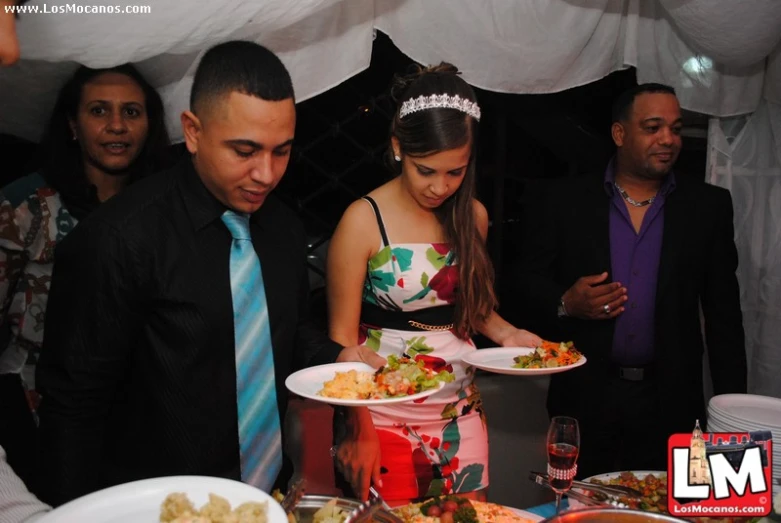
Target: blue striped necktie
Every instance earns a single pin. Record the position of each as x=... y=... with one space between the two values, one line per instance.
x=260 y=437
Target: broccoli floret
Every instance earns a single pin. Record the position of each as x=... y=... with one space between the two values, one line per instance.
x=465 y=514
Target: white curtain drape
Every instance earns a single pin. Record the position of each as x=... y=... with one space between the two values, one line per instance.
x=551 y=45
x=322 y=42
x=712 y=51
x=744 y=156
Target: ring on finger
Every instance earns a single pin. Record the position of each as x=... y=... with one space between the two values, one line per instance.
x=606 y=308
x=333 y=450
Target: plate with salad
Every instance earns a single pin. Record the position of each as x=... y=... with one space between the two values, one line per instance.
x=356 y=384
x=549 y=358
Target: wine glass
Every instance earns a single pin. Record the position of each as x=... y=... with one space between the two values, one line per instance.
x=563 y=446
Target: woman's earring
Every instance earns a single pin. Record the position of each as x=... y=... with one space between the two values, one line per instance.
x=397 y=157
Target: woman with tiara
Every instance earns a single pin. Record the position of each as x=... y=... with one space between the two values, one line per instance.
x=409 y=274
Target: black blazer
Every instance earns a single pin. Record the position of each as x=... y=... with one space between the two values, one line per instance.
x=567 y=236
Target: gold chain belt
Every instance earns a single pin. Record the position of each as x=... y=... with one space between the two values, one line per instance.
x=425 y=327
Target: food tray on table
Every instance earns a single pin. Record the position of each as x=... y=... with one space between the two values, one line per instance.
x=327 y=509
x=323 y=509
x=456 y=509
x=611 y=515
x=653 y=485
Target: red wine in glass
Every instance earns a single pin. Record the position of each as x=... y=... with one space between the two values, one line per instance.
x=563 y=442
x=561 y=456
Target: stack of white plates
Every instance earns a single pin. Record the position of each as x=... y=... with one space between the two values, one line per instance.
x=749 y=413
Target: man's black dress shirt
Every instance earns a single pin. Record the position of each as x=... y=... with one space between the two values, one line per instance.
x=137 y=370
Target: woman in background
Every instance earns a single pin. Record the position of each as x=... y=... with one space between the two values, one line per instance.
x=107 y=125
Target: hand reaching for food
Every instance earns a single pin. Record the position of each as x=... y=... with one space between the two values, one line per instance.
x=361 y=353
x=358 y=455
x=521 y=338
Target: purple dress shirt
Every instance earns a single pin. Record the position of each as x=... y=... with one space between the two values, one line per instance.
x=634 y=259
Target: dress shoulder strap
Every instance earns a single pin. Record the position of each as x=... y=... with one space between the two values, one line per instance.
x=377 y=214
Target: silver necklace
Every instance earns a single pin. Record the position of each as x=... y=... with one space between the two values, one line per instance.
x=631 y=201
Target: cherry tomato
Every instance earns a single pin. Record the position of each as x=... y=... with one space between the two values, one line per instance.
x=449 y=506
x=446 y=517
x=433 y=511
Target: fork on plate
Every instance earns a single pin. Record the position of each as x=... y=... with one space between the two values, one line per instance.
x=364 y=511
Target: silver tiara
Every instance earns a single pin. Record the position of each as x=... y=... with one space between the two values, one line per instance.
x=443 y=101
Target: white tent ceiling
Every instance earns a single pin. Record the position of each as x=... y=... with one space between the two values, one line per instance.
x=715 y=52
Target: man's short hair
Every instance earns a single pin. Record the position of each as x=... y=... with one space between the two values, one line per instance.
x=243 y=67
x=622 y=107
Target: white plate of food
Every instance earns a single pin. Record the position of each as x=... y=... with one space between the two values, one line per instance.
x=151 y=500
x=652 y=482
x=355 y=384
x=550 y=358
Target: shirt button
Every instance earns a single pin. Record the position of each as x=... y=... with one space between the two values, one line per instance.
x=634 y=273
x=634 y=305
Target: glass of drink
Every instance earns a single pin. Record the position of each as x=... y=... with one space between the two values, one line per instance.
x=563 y=445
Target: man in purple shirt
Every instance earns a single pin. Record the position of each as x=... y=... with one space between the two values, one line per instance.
x=634 y=259
x=622 y=263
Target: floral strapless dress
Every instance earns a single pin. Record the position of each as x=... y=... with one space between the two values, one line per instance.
x=437 y=445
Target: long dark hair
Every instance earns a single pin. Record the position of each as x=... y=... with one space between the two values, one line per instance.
x=63 y=166
x=430 y=131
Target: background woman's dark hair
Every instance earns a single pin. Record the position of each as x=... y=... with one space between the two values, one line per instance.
x=430 y=131
x=63 y=167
